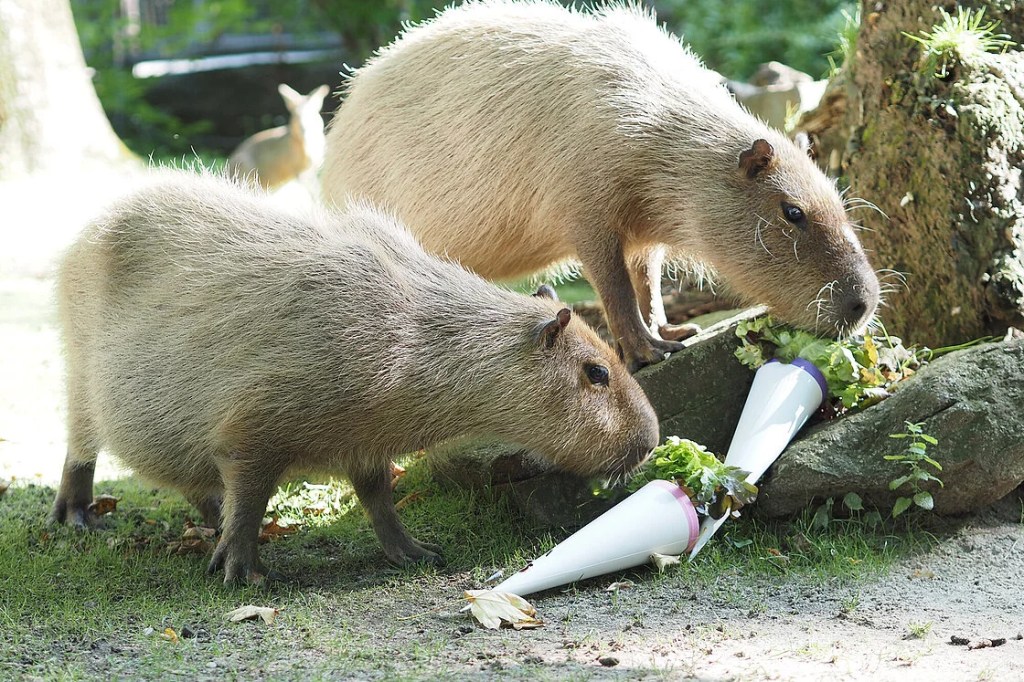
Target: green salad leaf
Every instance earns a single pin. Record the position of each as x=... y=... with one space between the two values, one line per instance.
x=713 y=487
x=859 y=370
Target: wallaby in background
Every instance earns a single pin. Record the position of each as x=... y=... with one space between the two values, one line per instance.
x=270 y=158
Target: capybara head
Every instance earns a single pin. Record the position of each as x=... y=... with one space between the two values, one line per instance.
x=581 y=409
x=793 y=246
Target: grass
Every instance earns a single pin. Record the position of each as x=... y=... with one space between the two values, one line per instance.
x=77 y=606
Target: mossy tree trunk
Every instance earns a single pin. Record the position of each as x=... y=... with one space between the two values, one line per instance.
x=50 y=116
x=941 y=156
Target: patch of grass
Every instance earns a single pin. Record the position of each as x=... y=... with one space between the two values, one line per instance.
x=76 y=605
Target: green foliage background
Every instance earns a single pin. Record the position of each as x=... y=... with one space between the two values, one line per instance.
x=732 y=37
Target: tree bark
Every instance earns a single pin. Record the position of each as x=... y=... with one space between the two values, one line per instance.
x=941 y=157
x=50 y=116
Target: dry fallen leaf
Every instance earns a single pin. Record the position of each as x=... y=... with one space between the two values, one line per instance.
x=409 y=499
x=663 y=561
x=170 y=635
x=492 y=608
x=620 y=585
x=275 y=528
x=194 y=540
x=923 y=573
x=250 y=612
x=397 y=471
x=103 y=504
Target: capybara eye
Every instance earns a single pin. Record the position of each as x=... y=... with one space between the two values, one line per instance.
x=598 y=374
x=793 y=214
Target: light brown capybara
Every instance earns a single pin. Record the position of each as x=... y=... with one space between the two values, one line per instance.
x=512 y=135
x=216 y=343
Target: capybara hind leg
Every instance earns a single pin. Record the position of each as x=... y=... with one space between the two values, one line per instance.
x=248 y=485
x=373 y=488
x=75 y=494
x=606 y=269
x=209 y=507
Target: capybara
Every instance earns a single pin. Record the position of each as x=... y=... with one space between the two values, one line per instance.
x=514 y=135
x=216 y=343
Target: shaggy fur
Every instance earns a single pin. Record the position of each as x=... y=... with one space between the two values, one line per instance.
x=512 y=135
x=216 y=343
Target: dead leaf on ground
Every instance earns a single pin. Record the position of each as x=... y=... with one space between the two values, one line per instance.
x=170 y=635
x=103 y=504
x=492 y=609
x=250 y=612
x=397 y=471
x=194 y=540
x=276 y=528
x=409 y=499
x=923 y=573
x=4 y=485
x=620 y=585
x=663 y=561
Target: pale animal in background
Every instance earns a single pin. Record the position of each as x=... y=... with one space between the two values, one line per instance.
x=273 y=157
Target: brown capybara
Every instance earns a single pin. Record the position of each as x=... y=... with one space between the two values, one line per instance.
x=216 y=343
x=511 y=136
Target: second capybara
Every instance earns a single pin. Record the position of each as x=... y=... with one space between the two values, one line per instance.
x=216 y=343
x=512 y=135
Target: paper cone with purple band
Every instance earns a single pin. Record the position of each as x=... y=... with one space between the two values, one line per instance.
x=781 y=399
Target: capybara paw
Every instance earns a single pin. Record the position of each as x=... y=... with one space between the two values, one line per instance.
x=651 y=352
x=677 y=332
x=77 y=514
x=240 y=568
x=414 y=552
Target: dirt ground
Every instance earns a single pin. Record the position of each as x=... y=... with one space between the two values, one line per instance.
x=897 y=626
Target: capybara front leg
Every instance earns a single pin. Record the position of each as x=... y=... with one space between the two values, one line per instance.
x=373 y=487
x=249 y=481
x=606 y=268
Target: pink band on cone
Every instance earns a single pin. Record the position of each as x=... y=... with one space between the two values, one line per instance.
x=684 y=501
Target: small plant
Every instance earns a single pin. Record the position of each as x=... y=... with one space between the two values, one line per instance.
x=915 y=458
x=860 y=370
x=713 y=486
x=846 y=41
x=958 y=36
x=918 y=630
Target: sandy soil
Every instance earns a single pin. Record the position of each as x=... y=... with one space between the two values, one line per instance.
x=969 y=585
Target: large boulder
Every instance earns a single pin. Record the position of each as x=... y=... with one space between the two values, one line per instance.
x=971 y=401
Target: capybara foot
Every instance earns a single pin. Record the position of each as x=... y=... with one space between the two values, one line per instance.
x=409 y=551
x=678 y=332
x=240 y=567
x=649 y=352
x=78 y=514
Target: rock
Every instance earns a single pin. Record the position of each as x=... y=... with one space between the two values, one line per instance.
x=777 y=92
x=972 y=401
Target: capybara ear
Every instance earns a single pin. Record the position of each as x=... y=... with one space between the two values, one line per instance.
x=546 y=291
x=756 y=159
x=803 y=140
x=550 y=331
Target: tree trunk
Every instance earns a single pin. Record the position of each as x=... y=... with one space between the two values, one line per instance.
x=50 y=116
x=941 y=157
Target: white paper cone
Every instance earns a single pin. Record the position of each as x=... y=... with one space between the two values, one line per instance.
x=781 y=399
x=658 y=518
